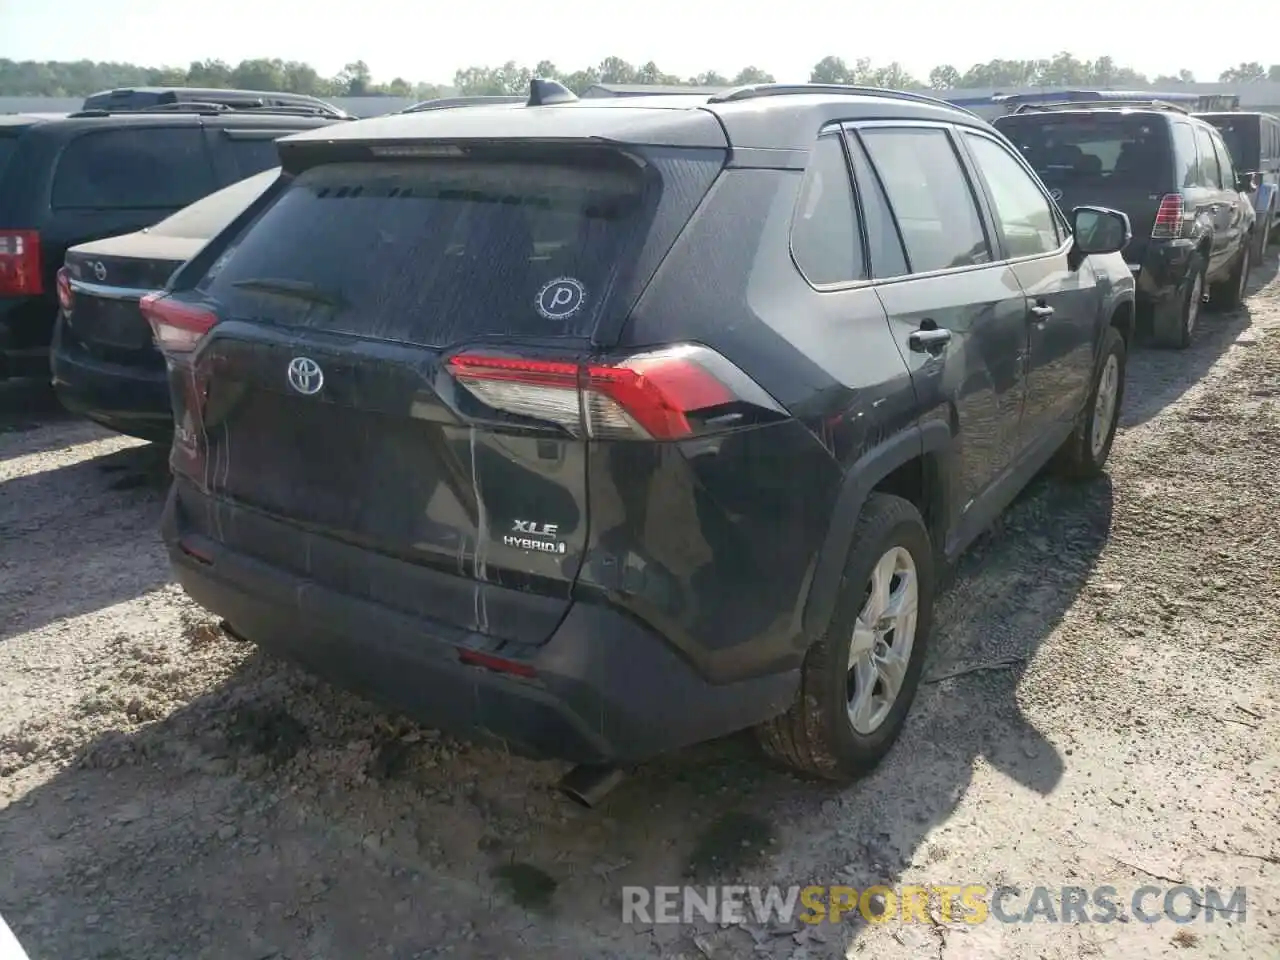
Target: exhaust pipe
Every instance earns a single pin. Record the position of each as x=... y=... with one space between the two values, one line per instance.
x=587 y=784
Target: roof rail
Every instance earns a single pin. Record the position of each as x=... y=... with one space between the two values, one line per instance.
x=447 y=103
x=1099 y=105
x=753 y=91
x=213 y=109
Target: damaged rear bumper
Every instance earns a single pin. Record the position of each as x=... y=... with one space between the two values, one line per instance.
x=603 y=689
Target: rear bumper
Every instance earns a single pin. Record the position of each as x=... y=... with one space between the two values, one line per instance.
x=1160 y=278
x=604 y=688
x=127 y=399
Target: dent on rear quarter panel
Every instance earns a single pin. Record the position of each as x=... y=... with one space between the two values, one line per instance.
x=715 y=541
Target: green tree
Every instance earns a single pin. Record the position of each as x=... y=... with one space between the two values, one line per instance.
x=944 y=77
x=258 y=75
x=209 y=73
x=751 y=75
x=830 y=70
x=1243 y=73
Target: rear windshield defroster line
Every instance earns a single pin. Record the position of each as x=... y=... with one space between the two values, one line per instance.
x=433 y=252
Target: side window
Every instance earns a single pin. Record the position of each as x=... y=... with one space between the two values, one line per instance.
x=824 y=233
x=883 y=242
x=251 y=154
x=1024 y=212
x=1210 y=174
x=1186 y=161
x=134 y=168
x=931 y=197
x=1224 y=162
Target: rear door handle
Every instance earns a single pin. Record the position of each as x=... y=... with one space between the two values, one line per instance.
x=1041 y=311
x=929 y=341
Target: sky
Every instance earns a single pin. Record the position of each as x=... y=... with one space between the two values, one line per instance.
x=428 y=41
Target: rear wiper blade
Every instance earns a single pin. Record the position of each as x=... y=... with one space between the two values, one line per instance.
x=300 y=289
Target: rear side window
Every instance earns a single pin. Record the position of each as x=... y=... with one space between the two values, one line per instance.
x=433 y=252
x=883 y=242
x=931 y=197
x=133 y=168
x=824 y=235
x=1093 y=150
x=1226 y=163
x=1210 y=173
x=252 y=154
x=1186 y=158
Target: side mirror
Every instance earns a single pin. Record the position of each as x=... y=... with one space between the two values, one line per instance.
x=1246 y=182
x=1099 y=230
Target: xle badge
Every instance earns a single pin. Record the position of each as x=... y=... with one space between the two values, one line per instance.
x=561 y=298
x=527 y=535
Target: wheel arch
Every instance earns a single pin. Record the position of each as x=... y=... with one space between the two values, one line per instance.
x=915 y=465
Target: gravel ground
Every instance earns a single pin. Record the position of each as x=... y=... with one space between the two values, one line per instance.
x=1102 y=708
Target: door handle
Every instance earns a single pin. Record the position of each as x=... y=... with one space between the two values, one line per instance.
x=1041 y=311
x=929 y=341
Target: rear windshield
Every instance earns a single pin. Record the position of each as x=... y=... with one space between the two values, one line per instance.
x=432 y=252
x=207 y=217
x=1093 y=150
x=140 y=168
x=1241 y=136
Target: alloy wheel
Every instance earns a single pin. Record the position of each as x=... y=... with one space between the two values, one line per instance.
x=1104 y=406
x=883 y=637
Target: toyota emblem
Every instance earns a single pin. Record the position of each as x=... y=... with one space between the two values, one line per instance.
x=1056 y=193
x=305 y=375
x=100 y=270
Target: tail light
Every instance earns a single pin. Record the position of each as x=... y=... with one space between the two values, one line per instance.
x=176 y=327
x=663 y=395
x=66 y=296
x=1169 y=218
x=20 y=263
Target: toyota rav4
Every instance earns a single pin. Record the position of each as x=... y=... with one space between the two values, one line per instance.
x=606 y=427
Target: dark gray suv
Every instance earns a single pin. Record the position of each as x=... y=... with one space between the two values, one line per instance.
x=605 y=427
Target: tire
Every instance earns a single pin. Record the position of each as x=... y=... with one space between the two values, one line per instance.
x=1085 y=453
x=816 y=737
x=1229 y=294
x=1179 y=336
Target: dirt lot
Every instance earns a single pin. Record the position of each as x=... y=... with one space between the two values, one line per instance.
x=1103 y=707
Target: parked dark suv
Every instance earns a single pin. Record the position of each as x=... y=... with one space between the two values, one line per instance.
x=94 y=174
x=606 y=427
x=1253 y=140
x=1174 y=177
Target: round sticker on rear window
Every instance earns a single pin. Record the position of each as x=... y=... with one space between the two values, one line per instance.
x=561 y=298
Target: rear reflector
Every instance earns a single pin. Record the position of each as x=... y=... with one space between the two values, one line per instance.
x=20 y=263
x=1169 y=218
x=497 y=664
x=66 y=297
x=176 y=326
x=646 y=397
x=194 y=553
